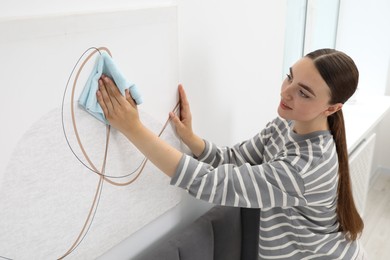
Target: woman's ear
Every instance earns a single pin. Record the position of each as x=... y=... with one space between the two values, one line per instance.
x=333 y=109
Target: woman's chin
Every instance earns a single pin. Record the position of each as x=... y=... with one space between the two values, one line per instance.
x=282 y=113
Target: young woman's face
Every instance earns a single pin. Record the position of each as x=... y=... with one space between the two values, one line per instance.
x=305 y=95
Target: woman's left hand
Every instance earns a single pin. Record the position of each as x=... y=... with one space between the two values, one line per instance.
x=120 y=111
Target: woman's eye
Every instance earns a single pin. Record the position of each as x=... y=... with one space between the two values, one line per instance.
x=289 y=78
x=302 y=94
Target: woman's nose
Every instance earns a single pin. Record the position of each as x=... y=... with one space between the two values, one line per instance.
x=286 y=92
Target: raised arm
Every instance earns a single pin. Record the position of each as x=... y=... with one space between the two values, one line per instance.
x=184 y=125
x=123 y=115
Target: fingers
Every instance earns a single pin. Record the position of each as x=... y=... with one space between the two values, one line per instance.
x=182 y=94
x=183 y=98
x=185 y=112
x=104 y=99
x=111 y=100
x=108 y=96
x=129 y=98
x=112 y=90
x=176 y=121
x=101 y=102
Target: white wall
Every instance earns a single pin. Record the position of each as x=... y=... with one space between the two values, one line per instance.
x=231 y=63
x=23 y=8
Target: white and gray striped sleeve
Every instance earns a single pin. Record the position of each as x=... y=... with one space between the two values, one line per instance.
x=253 y=186
x=249 y=151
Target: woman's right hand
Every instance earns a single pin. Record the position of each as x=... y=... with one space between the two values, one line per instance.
x=184 y=125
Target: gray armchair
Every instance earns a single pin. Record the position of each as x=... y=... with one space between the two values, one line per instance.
x=222 y=233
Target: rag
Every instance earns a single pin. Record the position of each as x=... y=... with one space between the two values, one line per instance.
x=105 y=65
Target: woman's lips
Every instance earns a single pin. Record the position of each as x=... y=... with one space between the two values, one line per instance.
x=284 y=106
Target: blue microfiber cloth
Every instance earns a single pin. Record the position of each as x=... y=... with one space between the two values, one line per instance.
x=105 y=65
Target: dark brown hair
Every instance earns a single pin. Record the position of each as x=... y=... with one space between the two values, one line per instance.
x=341 y=75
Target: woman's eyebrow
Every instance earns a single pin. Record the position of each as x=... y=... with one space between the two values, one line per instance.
x=309 y=89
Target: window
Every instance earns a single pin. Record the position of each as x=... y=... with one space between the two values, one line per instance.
x=310 y=25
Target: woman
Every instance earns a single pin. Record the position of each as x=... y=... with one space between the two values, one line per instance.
x=295 y=169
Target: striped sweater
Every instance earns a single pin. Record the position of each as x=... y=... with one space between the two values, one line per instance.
x=292 y=178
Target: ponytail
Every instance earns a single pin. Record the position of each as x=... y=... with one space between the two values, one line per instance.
x=341 y=75
x=350 y=221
